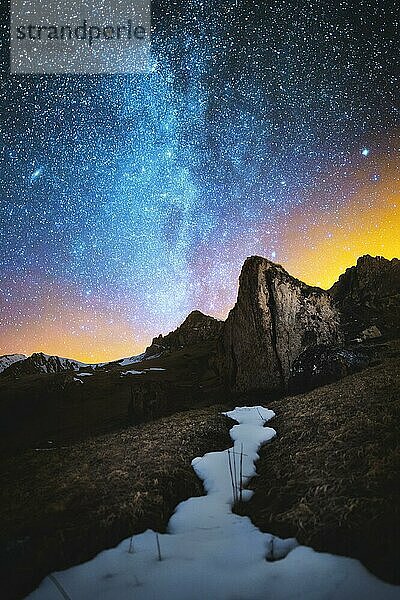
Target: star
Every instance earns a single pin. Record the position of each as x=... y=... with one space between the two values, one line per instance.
x=253 y=133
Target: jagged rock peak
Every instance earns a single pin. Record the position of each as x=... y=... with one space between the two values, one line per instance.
x=367 y=259
x=197 y=327
x=368 y=294
x=371 y=275
x=276 y=317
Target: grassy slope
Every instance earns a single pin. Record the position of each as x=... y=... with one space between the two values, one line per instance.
x=331 y=477
x=60 y=507
x=54 y=407
x=108 y=471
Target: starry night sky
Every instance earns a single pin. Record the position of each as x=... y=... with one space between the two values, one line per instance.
x=126 y=201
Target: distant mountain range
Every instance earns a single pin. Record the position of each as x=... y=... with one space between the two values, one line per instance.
x=19 y=364
x=277 y=328
x=8 y=359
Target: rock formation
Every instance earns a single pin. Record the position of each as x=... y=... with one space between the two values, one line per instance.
x=196 y=328
x=275 y=319
x=368 y=294
x=319 y=365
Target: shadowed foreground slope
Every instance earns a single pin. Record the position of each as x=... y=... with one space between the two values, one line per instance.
x=331 y=476
x=61 y=507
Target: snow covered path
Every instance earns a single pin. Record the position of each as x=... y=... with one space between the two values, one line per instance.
x=209 y=553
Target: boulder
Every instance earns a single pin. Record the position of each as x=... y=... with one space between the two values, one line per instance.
x=369 y=334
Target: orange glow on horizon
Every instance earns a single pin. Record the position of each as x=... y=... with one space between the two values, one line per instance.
x=103 y=345
x=316 y=247
x=338 y=240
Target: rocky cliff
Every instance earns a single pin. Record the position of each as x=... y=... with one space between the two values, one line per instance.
x=368 y=295
x=275 y=319
x=196 y=328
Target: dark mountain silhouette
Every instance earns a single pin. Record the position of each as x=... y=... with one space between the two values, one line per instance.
x=368 y=296
x=196 y=328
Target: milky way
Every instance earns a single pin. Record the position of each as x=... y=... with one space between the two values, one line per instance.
x=127 y=201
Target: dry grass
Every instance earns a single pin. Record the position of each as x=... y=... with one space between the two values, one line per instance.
x=331 y=477
x=60 y=507
x=43 y=407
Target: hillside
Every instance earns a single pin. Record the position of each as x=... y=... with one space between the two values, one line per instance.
x=66 y=406
x=83 y=447
x=62 y=505
x=330 y=478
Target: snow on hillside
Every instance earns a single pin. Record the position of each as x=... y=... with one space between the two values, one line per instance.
x=124 y=362
x=131 y=360
x=8 y=359
x=210 y=552
x=132 y=372
x=46 y=363
x=53 y=364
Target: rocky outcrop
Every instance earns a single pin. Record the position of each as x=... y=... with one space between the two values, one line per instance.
x=41 y=363
x=196 y=328
x=320 y=365
x=275 y=319
x=369 y=334
x=368 y=294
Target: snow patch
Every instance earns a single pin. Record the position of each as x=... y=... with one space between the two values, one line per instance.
x=132 y=372
x=132 y=360
x=210 y=552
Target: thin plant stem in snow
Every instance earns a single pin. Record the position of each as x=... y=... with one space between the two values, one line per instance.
x=158 y=547
x=235 y=473
x=241 y=473
x=59 y=587
x=231 y=473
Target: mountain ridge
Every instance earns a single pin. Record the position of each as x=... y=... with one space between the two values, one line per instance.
x=39 y=362
x=366 y=295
